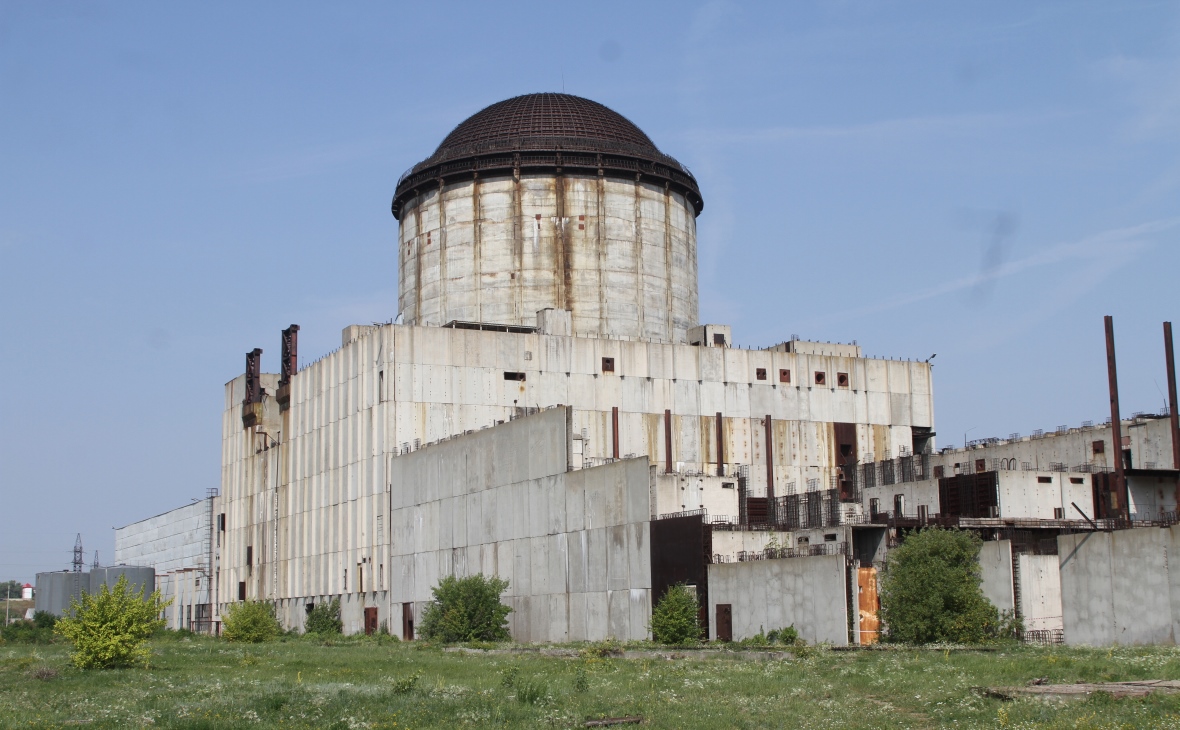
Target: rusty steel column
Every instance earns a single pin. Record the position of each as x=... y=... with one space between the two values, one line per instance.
x=720 y=447
x=290 y=361
x=614 y=429
x=253 y=379
x=1116 y=425
x=769 y=459
x=667 y=441
x=1170 y=357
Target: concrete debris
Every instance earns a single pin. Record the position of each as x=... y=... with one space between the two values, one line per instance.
x=1081 y=690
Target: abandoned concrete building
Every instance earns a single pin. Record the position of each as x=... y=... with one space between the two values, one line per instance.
x=547 y=407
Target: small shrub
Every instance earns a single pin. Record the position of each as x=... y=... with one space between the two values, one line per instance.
x=508 y=677
x=788 y=636
x=467 y=609
x=325 y=619
x=676 y=618
x=602 y=649
x=581 y=681
x=405 y=685
x=250 y=622
x=110 y=628
x=930 y=591
x=44 y=620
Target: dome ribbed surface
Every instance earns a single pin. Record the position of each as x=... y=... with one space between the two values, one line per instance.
x=554 y=133
x=548 y=117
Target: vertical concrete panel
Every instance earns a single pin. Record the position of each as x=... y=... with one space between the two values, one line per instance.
x=995 y=564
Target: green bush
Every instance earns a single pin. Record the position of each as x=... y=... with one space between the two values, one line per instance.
x=325 y=619
x=110 y=628
x=930 y=591
x=676 y=618
x=26 y=632
x=250 y=622
x=44 y=619
x=467 y=609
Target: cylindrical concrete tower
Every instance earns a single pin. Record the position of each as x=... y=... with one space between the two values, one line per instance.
x=550 y=200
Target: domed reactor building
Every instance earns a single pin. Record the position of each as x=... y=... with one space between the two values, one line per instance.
x=546 y=406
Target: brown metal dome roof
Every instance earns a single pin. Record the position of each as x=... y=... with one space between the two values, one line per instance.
x=546 y=132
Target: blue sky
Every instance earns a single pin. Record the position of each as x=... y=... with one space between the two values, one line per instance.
x=979 y=180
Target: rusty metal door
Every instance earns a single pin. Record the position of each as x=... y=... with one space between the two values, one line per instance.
x=408 y=621
x=868 y=605
x=724 y=622
x=371 y=621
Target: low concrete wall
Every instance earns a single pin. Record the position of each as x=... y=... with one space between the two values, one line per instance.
x=995 y=568
x=1116 y=587
x=809 y=593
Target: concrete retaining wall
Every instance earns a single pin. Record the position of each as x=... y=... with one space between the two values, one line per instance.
x=809 y=593
x=573 y=545
x=1116 y=587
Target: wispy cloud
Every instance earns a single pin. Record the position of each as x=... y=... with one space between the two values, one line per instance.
x=1107 y=245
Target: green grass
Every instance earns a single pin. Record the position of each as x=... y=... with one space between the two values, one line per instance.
x=358 y=682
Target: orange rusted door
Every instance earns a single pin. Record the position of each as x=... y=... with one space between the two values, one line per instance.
x=867 y=603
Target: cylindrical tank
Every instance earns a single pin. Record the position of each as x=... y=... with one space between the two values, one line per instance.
x=550 y=201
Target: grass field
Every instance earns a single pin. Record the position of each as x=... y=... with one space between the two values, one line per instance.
x=359 y=683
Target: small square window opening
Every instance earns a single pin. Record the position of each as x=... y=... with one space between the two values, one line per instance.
x=820 y=377
x=760 y=373
x=608 y=364
x=842 y=380
x=784 y=375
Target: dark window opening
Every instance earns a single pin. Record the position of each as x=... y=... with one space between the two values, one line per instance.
x=1044 y=480
x=380 y=386
x=939 y=472
x=784 y=376
x=727 y=485
x=1099 y=446
x=845 y=449
x=719 y=339
x=509 y=375
x=608 y=364
x=820 y=377
x=309 y=607
x=221 y=522
x=803 y=542
x=842 y=380
x=1058 y=513
x=830 y=537
x=898 y=505
x=980 y=466
x=249 y=555
x=760 y=373
x=242 y=590
x=1077 y=480
x=874 y=507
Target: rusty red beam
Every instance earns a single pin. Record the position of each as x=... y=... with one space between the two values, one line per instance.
x=1116 y=425
x=1170 y=357
x=720 y=447
x=614 y=428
